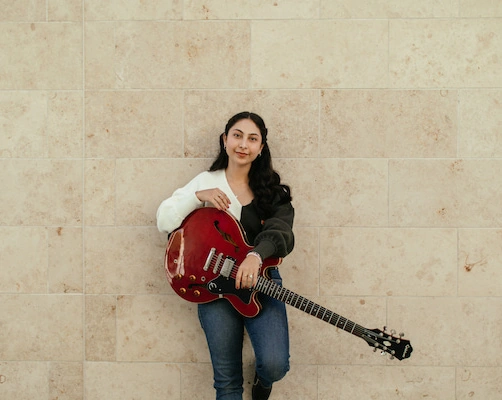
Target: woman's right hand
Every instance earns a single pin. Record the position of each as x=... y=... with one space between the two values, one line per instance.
x=215 y=196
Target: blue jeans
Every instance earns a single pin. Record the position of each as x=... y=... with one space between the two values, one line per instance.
x=268 y=332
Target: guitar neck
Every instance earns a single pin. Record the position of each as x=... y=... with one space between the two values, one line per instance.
x=272 y=289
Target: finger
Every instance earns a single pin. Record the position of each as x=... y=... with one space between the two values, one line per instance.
x=221 y=201
x=238 y=279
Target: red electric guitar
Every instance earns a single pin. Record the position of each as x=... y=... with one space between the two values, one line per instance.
x=201 y=262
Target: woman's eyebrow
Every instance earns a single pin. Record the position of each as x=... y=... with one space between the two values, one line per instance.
x=252 y=133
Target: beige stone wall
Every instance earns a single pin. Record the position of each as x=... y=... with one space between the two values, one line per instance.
x=385 y=117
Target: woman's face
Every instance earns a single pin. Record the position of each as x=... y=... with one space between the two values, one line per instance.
x=243 y=142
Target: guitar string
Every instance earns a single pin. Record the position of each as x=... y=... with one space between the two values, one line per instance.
x=279 y=292
x=288 y=296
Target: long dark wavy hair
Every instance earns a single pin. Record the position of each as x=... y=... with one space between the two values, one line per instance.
x=264 y=181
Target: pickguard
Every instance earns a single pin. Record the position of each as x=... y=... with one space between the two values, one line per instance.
x=225 y=286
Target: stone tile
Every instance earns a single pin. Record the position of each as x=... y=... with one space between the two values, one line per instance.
x=157 y=178
x=301 y=382
x=65 y=10
x=480 y=8
x=334 y=53
x=258 y=9
x=449 y=331
x=96 y=10
x=478 y=382
x=64 y=120
x=159 y=328
x=133 y=124
x=99 y=206
x=99 y=60
x=41 y=192
x=41 y=124
x=66 y=381
x=24 y=380
x=395 y=262
x=356 y=382
x=24 y=268
x=24 y=132
x=185 y=58
x=291 y=117
x=445 y=193
x=388 y=9
x=197 y=381
x=300 y=269
x=354 y=192
x=65 y=260
x=124 y=260
x=480 y=257
x=128 y=381
x=381 y=123
x=100 y=328
x=480 y=118
x=57 y=49
x=23 y=11
x=313 y=341
x=41 y=327
x=445 y=53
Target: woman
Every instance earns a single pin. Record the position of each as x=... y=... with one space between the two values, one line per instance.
x=243 y=182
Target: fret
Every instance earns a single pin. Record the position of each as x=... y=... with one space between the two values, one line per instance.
x=302 y=307
x=290 y=295
x=317 y=310
x=209 y=274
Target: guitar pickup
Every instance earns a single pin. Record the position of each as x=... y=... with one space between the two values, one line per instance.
x=227 y=267
x=217 y=263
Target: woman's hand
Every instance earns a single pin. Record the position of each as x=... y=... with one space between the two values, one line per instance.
x=215 y=196
x=248 y=272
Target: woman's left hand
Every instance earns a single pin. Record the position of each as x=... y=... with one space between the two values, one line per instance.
x=247 y=274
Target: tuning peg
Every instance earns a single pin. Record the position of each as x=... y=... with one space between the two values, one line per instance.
x=393 y=332
x=385 y=328
x=401 y=334
x=391 y=357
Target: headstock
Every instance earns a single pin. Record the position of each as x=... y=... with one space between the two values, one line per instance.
x=389 y=343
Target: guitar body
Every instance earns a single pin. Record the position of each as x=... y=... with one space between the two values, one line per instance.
x=202 y=259
x=201 y=262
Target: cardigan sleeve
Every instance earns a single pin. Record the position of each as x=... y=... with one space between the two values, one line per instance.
x=173 y=210
x=183 y=201
x=276 y=237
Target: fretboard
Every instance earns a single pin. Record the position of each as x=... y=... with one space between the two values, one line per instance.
x=272 y=289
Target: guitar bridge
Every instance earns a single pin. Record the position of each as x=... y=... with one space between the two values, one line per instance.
x=209 y=259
